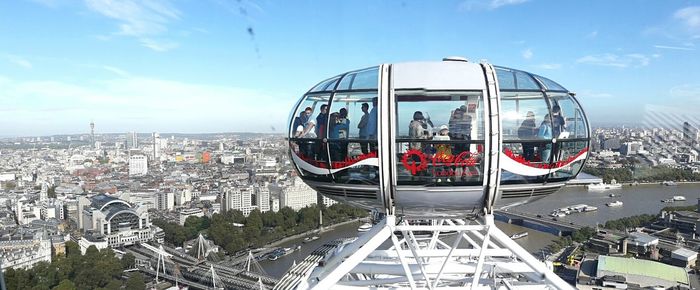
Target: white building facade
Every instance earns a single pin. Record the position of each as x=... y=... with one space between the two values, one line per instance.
x=298 y=195
x=138 y=165
x=24 y=254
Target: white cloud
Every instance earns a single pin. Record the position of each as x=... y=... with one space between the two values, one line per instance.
x=136 y=103
x=686 y=91
x=116 y=70
x=690 y=17
x=550 y=66
x=682 y=27
x=488 y=4
x=614 y=60
x=592 y=35
x=17 y=60
x=674 y=47
x=527 y=54
x=140 y=19
x=158 y=45
x=495 y=4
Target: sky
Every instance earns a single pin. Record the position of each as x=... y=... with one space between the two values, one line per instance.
x=205 y=66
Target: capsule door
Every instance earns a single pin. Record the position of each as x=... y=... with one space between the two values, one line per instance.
x=439 y=141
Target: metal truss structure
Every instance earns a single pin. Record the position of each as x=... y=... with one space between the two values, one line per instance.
x=445 y=254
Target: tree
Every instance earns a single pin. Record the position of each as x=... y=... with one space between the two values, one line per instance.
x=11 y=278
x=72 y=249
x=64 y=268
x=583 y=234
x=135 y=282
x=66 y=285
x=289 y=217
x=128 y=261
x=44 y=275
x=113 y=285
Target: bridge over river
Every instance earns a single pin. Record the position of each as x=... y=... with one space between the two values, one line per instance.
x=196 y=274
x=537 y=222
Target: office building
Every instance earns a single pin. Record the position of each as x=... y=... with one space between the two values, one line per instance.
x=298 y=195
x=138 y=165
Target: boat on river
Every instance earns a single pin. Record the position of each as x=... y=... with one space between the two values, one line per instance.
x=281 y=252
x=519 y=235
x=603 y=186
x=616 y=203
x=669 y=183
x=364 y=227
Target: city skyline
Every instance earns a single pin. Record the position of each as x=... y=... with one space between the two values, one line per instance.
x=170 y=66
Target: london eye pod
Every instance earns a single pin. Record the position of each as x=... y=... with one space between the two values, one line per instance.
x=432 y=139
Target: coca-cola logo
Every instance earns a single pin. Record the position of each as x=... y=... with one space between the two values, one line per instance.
x=417 y=161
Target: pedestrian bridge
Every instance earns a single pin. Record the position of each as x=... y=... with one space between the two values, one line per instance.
x=541 y=223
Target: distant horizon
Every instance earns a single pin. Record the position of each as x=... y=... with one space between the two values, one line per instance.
x=594 y=125
x=162 y=134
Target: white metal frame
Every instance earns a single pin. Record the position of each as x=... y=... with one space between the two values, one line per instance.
x=458 y=254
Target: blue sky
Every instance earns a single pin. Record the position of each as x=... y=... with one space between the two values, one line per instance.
x=222 y=66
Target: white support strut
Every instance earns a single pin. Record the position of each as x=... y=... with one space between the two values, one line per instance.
x=381 y=259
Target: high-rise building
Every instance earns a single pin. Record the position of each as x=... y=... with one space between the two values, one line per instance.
x=92 y=132
x=691 y=133
x=183 y=196
x=138 y=165
x=240 y=199
x=18 y=211
x=166 y=201
x=262 y=198
x=612 y=144
x=156 y=147
x=631 y=148
x=70 y=208
x=44 y=193
x=132 y=141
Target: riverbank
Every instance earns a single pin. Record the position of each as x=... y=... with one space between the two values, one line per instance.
x=630 y=184
x=311 y=232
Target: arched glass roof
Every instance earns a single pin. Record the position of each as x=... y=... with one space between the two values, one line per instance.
x=512 y=79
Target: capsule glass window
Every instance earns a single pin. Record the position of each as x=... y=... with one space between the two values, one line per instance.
x=307 y=132
x=526 y=136
x=352 y=138
x=439 y=138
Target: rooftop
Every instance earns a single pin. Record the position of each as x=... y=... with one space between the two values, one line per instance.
x=642 y=268
x=642 y=239
x=100 y=200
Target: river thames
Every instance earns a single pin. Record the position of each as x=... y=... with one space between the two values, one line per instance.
x=640 y=199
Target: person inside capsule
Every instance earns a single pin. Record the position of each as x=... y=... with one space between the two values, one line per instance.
x=527 y=131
